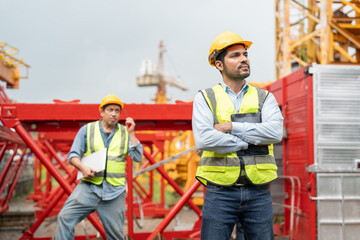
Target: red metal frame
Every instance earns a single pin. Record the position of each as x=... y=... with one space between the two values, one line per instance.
x=71 y=116
x=54 y=123
x=185 y=198
x=149 y=208
x=9 y=176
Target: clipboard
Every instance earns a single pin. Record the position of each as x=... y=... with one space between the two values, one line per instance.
x=96 y=161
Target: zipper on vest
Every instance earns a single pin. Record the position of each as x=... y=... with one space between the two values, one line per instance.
x=107 y=149
x=242 y=167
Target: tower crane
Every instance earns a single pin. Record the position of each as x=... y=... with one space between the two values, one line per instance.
x=10 y=66
x=154 y=76
x=316 y=31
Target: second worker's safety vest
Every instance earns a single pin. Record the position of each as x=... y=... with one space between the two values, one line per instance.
x=115 y=156
x=224 y=169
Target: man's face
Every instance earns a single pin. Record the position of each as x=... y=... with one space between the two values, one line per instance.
x=236 y=63
x=111 y=114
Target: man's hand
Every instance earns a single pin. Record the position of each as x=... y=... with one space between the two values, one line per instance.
x=130 y=125
x=225 y=127
x=88 y=172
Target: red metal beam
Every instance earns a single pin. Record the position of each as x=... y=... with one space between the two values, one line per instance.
x=10 y=136
x=71 y=116
x=17 y=170
x=169 y=217
x=172 y=183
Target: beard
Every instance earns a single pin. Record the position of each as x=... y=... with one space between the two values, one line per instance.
x=237 y=75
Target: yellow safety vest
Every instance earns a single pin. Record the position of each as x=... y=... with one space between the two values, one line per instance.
x=224 y=169
x=116 y=154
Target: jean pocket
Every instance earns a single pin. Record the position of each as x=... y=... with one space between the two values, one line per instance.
x=213 y=188
x=263 y=188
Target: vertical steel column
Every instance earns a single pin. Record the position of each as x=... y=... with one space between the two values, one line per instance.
x=130 y=201
x=162 y=184
x=48 y=185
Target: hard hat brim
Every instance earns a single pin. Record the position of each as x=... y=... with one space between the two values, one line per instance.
x=213 y=55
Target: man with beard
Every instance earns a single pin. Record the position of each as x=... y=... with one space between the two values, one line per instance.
x=235 y=125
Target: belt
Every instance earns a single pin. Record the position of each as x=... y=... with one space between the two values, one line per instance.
x=242 y=182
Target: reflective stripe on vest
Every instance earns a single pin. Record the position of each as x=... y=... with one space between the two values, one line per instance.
x=116 y=154
x=224 y=169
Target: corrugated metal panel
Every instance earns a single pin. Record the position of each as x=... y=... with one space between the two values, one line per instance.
x=338 y=199
x=336 y=117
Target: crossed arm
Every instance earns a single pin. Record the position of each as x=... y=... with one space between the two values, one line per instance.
x=233 y=136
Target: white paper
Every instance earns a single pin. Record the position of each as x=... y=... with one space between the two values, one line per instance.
x=96 y=161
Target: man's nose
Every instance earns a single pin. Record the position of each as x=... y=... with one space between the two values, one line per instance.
x=244 y=59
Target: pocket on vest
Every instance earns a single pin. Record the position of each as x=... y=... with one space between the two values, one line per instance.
x=265 y=163
x=213 y=169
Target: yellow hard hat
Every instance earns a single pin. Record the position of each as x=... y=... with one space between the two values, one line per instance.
x=111 y=99
x=224 y=40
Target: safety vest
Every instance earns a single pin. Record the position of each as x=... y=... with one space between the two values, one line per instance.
x=115 y=157
x=224 y=169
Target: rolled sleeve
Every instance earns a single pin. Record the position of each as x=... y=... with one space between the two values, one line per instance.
x=78 y=147
x=135 y=152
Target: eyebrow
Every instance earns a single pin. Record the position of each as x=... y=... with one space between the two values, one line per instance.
x=237 y=52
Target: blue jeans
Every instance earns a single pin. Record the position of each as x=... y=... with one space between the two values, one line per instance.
x=84 y=201
x=225 y=206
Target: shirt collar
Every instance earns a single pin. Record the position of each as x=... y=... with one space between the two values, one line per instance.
x=102 y=129
x=227 y=89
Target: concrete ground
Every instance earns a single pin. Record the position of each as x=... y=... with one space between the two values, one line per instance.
x=184 y=220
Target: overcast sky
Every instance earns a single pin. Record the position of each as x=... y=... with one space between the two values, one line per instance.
x=86 y=49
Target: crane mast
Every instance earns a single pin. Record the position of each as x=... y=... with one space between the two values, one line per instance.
x=154 y=76
x=316 y=31
x=10 y=65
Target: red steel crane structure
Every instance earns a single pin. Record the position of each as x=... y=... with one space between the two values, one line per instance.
x=55 y=126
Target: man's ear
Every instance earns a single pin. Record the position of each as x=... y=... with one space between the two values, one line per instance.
x=219 y=65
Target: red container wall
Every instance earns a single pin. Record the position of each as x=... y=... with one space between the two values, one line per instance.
x=294 y=95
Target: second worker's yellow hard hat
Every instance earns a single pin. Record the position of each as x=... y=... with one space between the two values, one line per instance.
x=224 y=40
x=111 y=99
